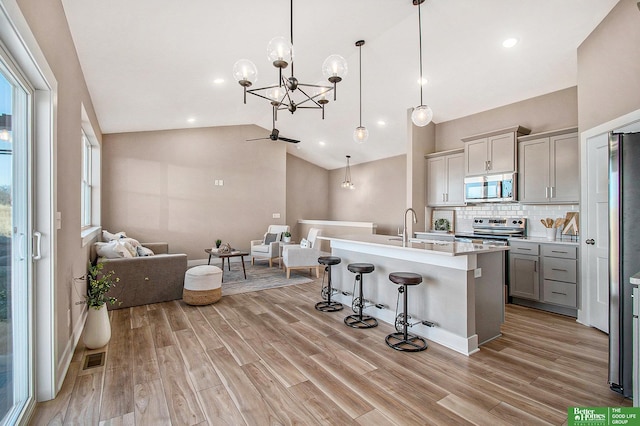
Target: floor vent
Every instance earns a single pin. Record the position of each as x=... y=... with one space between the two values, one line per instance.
x=93 y=360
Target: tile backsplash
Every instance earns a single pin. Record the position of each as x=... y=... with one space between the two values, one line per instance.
x=533 y=213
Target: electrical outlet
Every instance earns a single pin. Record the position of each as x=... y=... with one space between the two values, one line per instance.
x=477 y=273
x=276 y=215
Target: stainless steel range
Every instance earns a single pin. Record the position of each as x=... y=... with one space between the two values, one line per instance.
x=494 y=230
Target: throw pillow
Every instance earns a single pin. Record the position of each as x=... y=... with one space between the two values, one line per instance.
x=143 y=251
x=270 y=238
x=108 y=236
x=304 y=243
x=130 y=251
x=111 y=250
x=134 y=243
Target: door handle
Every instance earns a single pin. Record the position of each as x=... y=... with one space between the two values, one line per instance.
x=591 y=241
x=37 y=239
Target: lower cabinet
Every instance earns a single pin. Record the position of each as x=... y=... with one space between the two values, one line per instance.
x=544 y=276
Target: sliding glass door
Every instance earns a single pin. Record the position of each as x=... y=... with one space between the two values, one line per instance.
x=15 y=245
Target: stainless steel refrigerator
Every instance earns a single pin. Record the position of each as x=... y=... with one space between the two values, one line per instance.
x=624 y=254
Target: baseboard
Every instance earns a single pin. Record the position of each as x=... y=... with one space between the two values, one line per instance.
x=67 y=355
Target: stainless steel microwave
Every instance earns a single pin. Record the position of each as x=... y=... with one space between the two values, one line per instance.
x=491 y=188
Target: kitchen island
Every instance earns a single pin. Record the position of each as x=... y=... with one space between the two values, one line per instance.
x=462 y=292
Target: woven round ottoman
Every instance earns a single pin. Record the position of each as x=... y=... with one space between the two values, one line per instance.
x=202 y=285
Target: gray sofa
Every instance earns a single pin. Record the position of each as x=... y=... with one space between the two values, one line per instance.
x=149 y=279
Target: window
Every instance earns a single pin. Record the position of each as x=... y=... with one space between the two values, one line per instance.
x=87 y=185
x=90 y=183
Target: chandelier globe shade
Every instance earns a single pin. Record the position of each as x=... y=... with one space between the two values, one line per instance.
x=245 y=72
x=280 y=52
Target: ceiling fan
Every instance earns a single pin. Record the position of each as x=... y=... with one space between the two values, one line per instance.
x=275 y=134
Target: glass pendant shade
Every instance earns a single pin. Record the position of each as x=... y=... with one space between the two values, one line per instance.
x=276 y=93
x=280 y=52
x=334 y=66
x=360 y=134
x=245 y=71
x=422 y=115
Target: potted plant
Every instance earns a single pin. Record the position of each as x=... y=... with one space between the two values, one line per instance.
x=218 y=242
x=97 y=330
x=286 y=237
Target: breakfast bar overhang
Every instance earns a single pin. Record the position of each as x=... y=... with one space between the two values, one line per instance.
x=462 y=293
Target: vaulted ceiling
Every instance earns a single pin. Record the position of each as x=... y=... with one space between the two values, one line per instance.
x=151 y=64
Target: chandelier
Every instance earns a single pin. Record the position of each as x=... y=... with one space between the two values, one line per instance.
x=347 y=183
x=422 y=114
x=289 y=93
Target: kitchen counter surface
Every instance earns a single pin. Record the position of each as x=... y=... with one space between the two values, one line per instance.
x=444 y=248
x=635 y=279
x=543 y=240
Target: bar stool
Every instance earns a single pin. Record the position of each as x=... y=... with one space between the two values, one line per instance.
x=403 y=341
x=327 y=305
x=359 y=320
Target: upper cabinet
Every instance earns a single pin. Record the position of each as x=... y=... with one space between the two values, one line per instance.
x=549 y=167
x=492 y=153
x=445 y=178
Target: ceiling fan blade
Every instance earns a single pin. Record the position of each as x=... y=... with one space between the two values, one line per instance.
x=256 y=139
x=288 y=140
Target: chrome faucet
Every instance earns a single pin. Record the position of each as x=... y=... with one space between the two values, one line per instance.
x=405 y=237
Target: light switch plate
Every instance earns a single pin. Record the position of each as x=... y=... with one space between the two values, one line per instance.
x=477 y=273
x=276 y=216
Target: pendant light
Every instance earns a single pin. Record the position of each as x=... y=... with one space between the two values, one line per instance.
x=360 y=134
x=422 y=114
x=346 y=183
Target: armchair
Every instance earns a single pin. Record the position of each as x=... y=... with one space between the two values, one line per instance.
x=269 y=247
x=296 y=257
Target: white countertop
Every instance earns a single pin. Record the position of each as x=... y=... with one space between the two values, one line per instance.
x=635 y=279
x=543 y=240
x=445 y=248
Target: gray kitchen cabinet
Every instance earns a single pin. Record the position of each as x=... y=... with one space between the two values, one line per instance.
x=524 y=278
x=445 y=179
x=548 y=165
x=560 y=270
x=544 y=276
x=492 y=153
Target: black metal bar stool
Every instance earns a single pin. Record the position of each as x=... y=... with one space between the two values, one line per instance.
x=359 y=320
x=327 y=305
x=403 y=341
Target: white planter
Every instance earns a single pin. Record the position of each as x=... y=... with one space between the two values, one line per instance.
x=286 y=239
x=97 y=329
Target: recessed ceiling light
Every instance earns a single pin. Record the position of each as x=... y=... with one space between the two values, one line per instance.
x=382 y=123
x=322 y=143
x=423 y=81
x=218 y=81
x=191 y=120
x=510 y=42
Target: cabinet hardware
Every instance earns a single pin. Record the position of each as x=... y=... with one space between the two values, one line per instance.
x=546 y=192
x=591 y=241
x=446 y=197
x=489 y=165
x=559 y=251
x=561 y=270
x=522 y=248
x=557 y=292
x=535 y=266
x=551 y=190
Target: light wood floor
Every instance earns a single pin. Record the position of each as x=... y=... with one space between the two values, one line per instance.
x=270 y=358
